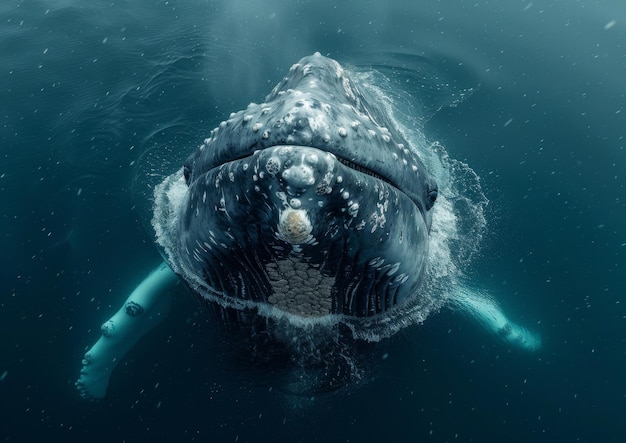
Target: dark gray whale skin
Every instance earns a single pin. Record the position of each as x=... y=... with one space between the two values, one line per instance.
x=311 y=203
x=303 y=224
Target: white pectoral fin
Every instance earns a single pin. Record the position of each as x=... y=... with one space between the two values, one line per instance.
x=486 y=311
x=146 y=306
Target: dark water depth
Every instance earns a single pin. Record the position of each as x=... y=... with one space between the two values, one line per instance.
x=96 y=96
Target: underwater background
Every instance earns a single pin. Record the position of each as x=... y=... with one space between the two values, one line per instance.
x=530 y=94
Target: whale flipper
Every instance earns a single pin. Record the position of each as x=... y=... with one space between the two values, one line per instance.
x=484 y=309
x=146 y=306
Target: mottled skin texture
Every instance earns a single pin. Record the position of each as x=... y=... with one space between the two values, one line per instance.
x=317 y=151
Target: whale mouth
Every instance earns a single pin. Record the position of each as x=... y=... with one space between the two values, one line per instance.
x=363 y=170
x=348 y=163
x=423 y=204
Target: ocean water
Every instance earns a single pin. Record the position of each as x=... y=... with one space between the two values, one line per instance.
x=96 y=97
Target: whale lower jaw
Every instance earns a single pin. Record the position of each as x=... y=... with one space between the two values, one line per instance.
x=311 y=202
x=295 y=228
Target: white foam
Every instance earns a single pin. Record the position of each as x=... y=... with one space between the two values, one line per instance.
x=169 y=197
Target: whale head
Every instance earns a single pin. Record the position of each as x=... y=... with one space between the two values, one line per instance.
x=311 y=203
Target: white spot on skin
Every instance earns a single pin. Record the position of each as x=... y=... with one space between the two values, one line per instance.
x=295 y=203
x=299 y=176
x=265 y=135
x=282 y=197
x=343 y=132
x=256 y=127
x=393 y=269
x=353 y=209
x=345 y=195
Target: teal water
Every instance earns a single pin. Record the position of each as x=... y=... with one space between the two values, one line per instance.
x=88 y=91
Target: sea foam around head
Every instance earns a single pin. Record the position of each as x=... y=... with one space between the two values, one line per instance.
x=458 y=223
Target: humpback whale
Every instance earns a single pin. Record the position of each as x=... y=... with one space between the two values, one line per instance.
x=309 y=212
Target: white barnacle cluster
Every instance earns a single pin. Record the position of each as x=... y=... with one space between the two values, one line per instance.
x=273 y=165
x=324 y=186
x=378 y=219
x=294 y=226
x=299 y=288
x=107 y=328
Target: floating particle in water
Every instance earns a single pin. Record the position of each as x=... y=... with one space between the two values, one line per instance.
x=609 y=25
